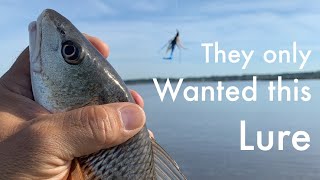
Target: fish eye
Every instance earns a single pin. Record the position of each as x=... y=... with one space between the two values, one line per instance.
x=71 y=52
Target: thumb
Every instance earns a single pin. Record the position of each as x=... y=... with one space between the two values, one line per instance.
x=87 y=130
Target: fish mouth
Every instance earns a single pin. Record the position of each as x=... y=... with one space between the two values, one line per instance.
x=35 y=30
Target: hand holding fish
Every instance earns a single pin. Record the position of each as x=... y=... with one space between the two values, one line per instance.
x=35 y=144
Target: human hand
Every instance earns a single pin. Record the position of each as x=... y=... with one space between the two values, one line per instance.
x=35 y=144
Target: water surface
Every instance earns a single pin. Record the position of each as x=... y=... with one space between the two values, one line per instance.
x=204 y=137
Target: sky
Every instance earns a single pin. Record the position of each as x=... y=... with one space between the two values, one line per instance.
x=137 y=30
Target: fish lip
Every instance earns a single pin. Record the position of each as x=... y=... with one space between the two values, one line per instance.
x=35 y=38
x=35 y=33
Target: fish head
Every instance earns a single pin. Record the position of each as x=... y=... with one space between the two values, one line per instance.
x=67 y=71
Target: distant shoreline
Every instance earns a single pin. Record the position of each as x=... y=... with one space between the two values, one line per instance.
x=261 y=77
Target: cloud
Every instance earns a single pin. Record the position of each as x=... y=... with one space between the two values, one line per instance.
x=136 y=31
x=138 y=42
x=147 y=6
x=102 y=7
x=271 y=6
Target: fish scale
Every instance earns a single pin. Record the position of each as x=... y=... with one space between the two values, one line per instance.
x=124 y=160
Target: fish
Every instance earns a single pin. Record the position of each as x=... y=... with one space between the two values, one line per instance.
x=68 y=72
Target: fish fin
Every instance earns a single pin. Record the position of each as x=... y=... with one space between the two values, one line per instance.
x=165 y=166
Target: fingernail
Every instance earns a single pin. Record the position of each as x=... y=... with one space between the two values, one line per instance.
x=132 y=117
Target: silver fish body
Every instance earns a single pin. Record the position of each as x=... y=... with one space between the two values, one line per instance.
x=67 y=72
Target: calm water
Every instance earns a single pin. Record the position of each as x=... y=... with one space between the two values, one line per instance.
x=204 y=137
